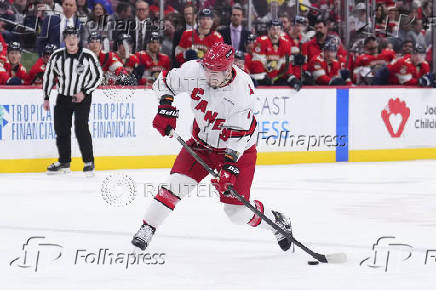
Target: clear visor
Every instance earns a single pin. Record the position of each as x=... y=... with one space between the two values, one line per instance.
x=214 y=78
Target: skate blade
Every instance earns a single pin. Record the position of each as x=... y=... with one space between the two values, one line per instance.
x=90 y=173
x=59 y=172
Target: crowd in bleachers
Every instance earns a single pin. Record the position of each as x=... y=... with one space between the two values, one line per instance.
x=285 y=46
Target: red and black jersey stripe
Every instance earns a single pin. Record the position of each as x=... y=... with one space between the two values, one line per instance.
x=233 y=133
x=167 y=198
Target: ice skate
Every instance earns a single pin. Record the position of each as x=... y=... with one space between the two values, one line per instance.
x=143 y=237
x=88 y=169
x=58 y=168
x=285 y=223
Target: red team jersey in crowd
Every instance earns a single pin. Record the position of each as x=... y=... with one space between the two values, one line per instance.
x=323 y=72
x=364 y=63
x=19 y=71
x=109 y=62
x=152 y=66
x=4 y=75
x=3 y=45
x=404 y=72
x=132 y=62
x=247 y=63
x=312 y=49
x=201 y=45
x=269 y=59
x=294 y=42
x=34 y=77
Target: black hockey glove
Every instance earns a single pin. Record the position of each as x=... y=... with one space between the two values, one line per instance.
x=294 y=83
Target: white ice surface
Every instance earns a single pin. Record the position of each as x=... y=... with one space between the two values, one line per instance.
x=338 y=207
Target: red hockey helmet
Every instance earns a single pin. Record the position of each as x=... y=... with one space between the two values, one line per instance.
x=219 y=57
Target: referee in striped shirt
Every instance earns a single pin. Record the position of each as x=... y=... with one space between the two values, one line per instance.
x=78 y=74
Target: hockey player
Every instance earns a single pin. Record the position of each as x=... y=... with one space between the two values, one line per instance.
x=222 y=99
x=203 y=38
x=34 y=77
x=409 y=69
x=249 y=46
x=295 y=35
x=17 y=73
x=130 y=61
x=366 y=63
x=124 y=45
x=111 y=66
x=153 y=60
x=271 y=59
x=326 y=69
x=314 y=47
x=240 y=61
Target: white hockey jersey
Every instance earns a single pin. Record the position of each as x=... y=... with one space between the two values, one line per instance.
x=223 y=117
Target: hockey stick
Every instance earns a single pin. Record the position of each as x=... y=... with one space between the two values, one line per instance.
x=336 y=258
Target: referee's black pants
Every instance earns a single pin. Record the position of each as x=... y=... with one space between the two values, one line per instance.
x=63 y=114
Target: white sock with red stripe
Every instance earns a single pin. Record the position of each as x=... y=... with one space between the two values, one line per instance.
x=169 y=195
x=240 y=214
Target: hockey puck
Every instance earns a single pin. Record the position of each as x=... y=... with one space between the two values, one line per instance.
x=313 y=262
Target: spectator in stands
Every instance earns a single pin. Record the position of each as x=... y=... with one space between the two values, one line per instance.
x=271 y=62
x=83 y=12
x=100 y=21
x=380 y=16
x=235 y=34
x=169 y=31
x=141 y=35
x=35 y=16
x=124 y=11
x=358 y=19
x=153 y=60
x=4 y=8
x=416 y=34
x=19 y=7
x=189 y=15
x=393 y=19
x=36 y=73
x=53 y=8
x=17 y=72
x=194 y=43
x=124 y=53
x=105 y=3
x=54 y=25
x=425 y=13
x=155 y=8
x=326 y=69
x=8 y=14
